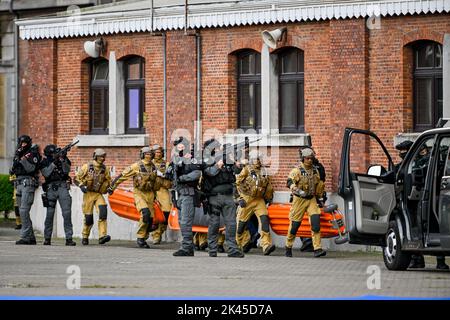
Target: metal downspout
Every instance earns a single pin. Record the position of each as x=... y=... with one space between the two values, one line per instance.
x=165 y=92
x=199 y=89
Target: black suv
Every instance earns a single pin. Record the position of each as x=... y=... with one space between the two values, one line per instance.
x=404 y=208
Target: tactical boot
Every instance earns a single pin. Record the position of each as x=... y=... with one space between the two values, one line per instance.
x=269 y=250
x=307 y=246
x=142 y=243
x=319 y=253
x=70 y=242
x=183 y=253
x=23 y=241
x=220 y=248
x=236 y=254
x=18 y=227
x=417 y=262
x=196 y=247
x=104 y=239
x=441 y=265
x=85 y=241
x=288 y=252
x=47 y=242
x=203 y=246
x=246 y=248
x=213 y=254
x=156 y=241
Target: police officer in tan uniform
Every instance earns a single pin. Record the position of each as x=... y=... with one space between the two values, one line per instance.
x=144 y=175
x=94 y=179
x=305 y=185
x=163 y=194
x=255 y=190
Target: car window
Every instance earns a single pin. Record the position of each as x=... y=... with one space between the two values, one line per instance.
x=361 y=160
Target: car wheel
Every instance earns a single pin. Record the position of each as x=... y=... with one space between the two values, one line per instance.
x=393 y=255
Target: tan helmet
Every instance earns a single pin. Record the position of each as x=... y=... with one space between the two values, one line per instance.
x=145 y=150
x=98 y=153
x=308 y=152
x=157 y=147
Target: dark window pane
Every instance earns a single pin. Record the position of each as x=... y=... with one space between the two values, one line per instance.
x=246 y=97
x=301 y=106
x=438 y=52
x=246 y=67
x=289 y=62
x=424 y=96
x=301 y=62
x=98 y=115
x=257 y=63
x=134 y=71
x=100 y=71
x=258 y=105
x=133 y=109
x=289 y=105
x=425 y=56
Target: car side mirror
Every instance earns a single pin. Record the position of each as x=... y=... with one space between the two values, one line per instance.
x=376 y=170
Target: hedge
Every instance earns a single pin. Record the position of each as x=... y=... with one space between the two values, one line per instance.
x=6 y=193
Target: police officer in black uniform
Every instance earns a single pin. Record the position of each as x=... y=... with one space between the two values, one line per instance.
x=185 y=172
x=26 y=168
x=218 y=186
x=55 y=167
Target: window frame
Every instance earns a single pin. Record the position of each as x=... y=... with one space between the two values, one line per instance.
x=103 y=87
x=135 y=84
x=297 y=78
x=249 y=79
x=435 y=73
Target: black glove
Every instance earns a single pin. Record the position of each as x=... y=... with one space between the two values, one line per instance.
x=242 y=203
x=110 y=191
x=253 y=174
x=83 y=189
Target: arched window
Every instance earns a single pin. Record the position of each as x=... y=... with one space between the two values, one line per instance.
x=99 y=97
x=134 y=94
x=291 y=91
x=428 y=85
x=249 y=90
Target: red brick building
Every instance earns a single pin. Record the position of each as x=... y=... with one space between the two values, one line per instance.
x=375 y=65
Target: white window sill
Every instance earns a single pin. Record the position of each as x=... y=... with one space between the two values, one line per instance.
x=271 y=139
x=113 y=140
x=406 y=136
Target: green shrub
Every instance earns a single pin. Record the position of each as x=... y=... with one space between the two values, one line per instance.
x=6 y=193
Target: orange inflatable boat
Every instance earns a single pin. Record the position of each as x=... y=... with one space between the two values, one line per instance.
x=122 y=203
x=331 y=219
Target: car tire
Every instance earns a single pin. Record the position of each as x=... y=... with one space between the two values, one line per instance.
x=393 y=255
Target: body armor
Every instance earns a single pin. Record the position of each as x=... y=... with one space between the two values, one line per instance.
x=96 y=179
x=145 y=179
x=255 y=184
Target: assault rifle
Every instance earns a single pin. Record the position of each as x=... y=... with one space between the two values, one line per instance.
x=61 y=152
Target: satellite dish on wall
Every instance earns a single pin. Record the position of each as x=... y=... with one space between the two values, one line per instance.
x=94 y=48
x=272 y=37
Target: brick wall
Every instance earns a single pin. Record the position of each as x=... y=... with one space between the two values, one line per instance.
x=353 y=77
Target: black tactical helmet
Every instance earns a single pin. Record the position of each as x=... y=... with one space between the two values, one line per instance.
x=49 y=150
x=24 y=138
x=404 y=145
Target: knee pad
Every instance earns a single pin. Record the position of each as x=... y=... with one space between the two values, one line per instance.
x=146 y=216
x=264 y=223
x=315 y=222
x=102 y=212
x=89 y=219
x=241 y=227
x=16 y=211
x=295 y=226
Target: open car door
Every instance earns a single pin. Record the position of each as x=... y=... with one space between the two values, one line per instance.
x=366 y=183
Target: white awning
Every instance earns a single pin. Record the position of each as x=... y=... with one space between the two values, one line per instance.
x=214 y=14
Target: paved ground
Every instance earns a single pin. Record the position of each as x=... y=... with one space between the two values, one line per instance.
x=120 y=269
